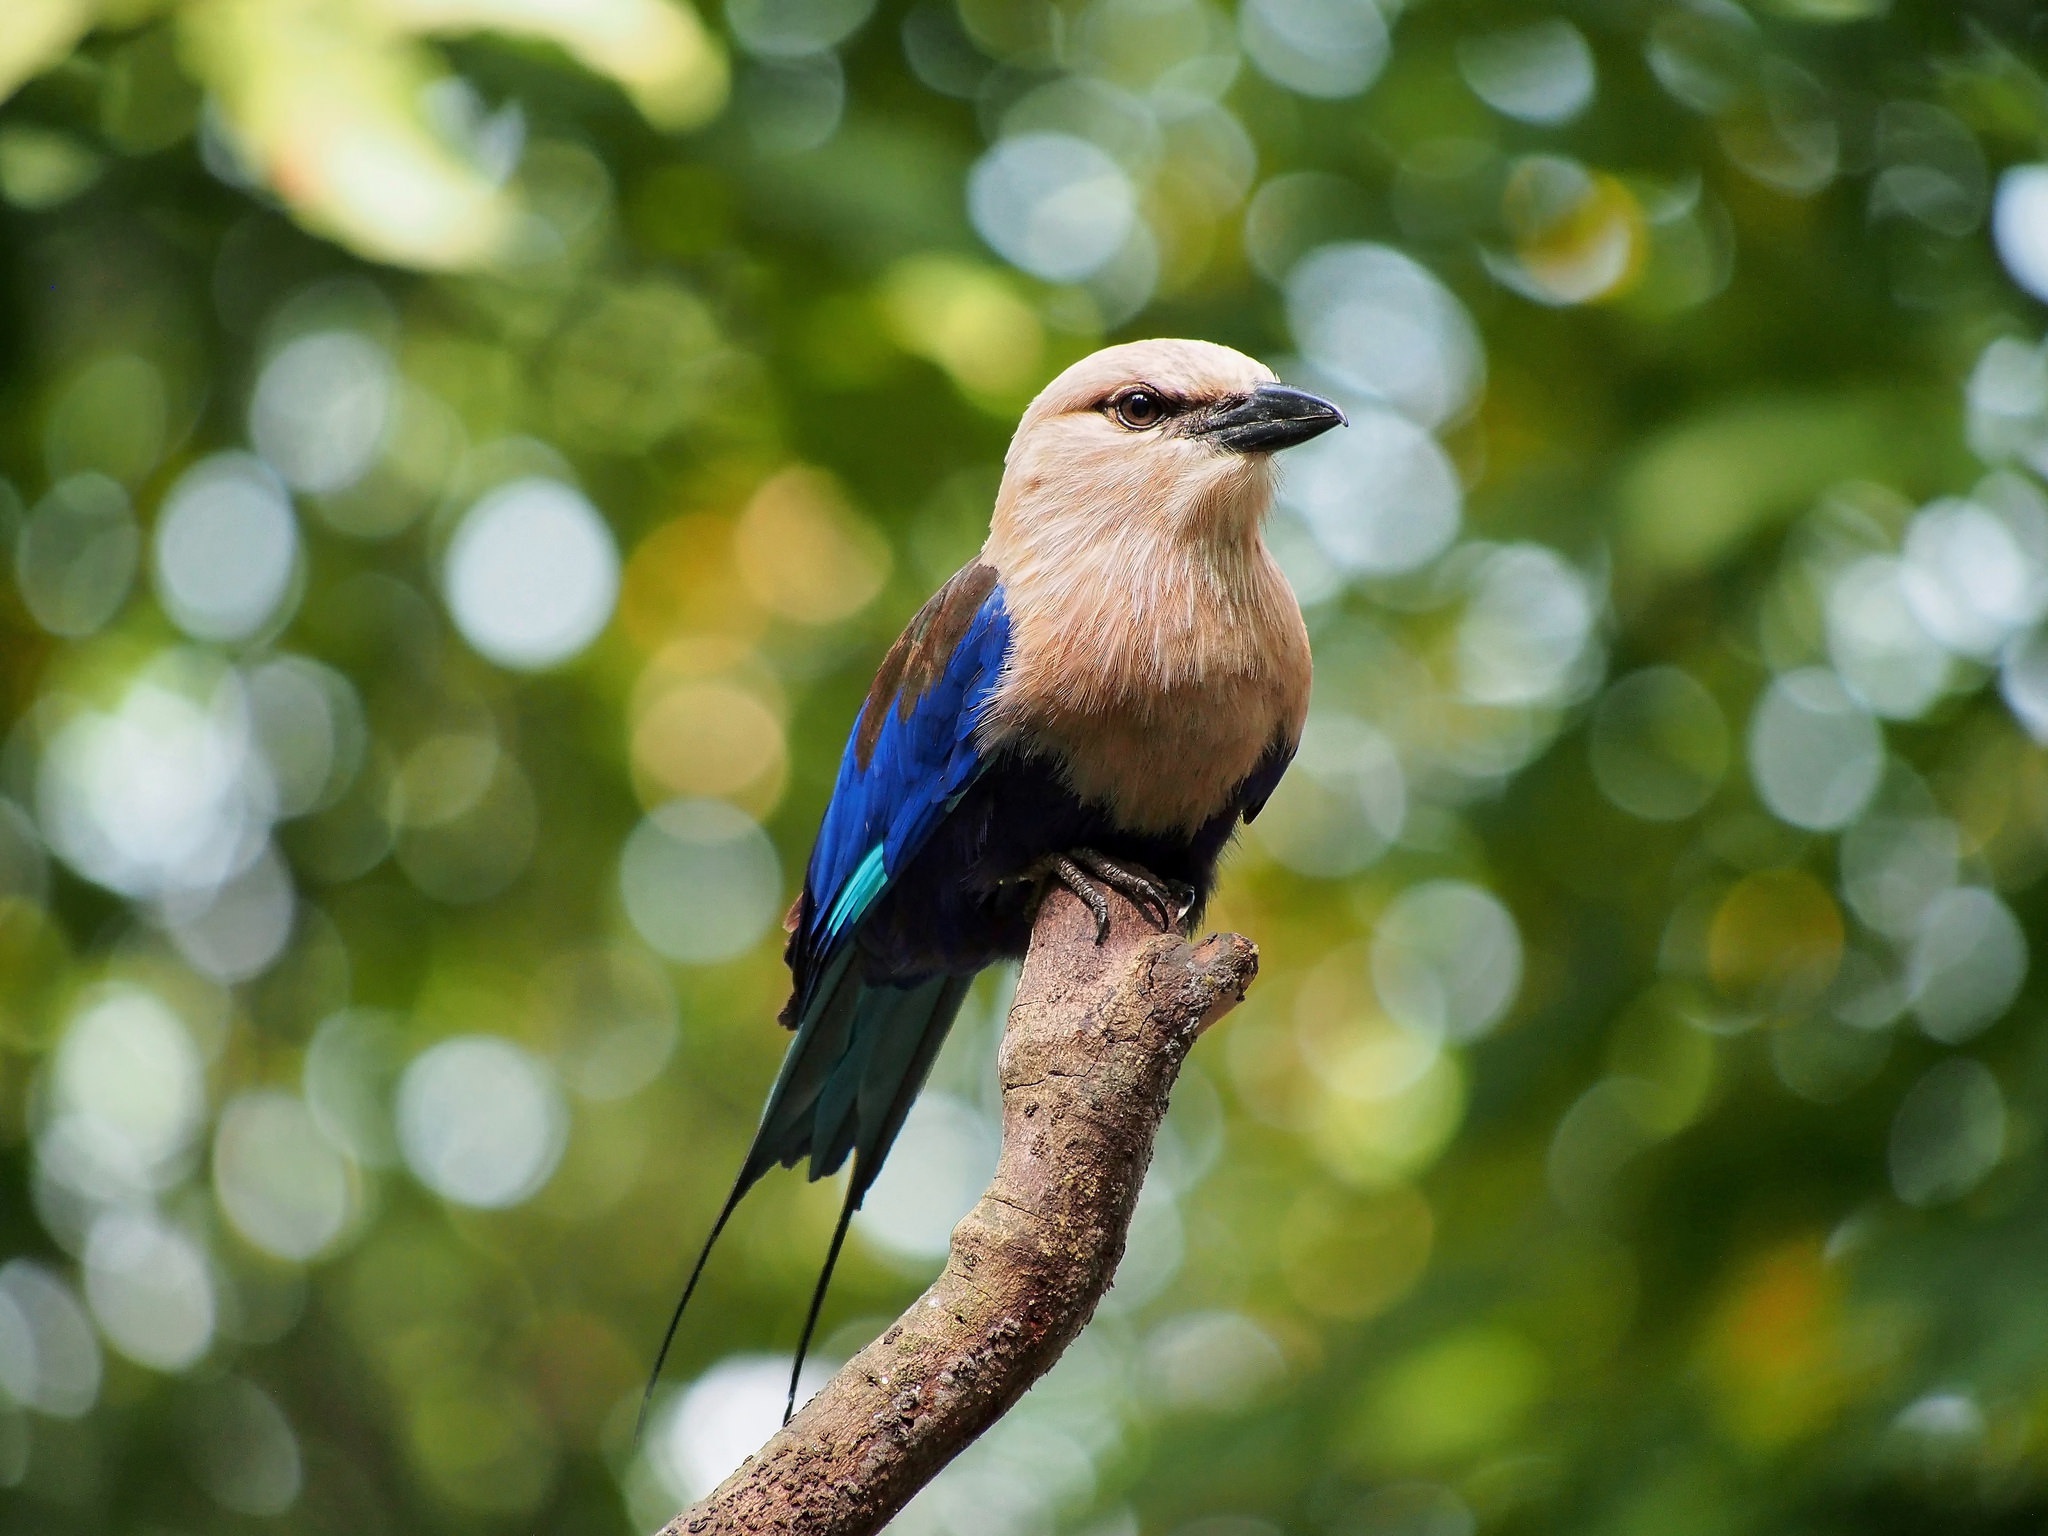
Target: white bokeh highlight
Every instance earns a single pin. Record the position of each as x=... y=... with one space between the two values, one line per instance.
x=723 y=1417
x=1052 y=204
x=49 y=1355
x=2019 y=226
x=1323 y=48
x=1967 y=964
x=322 y=406
x=234 y=931
x=226 y=548
x=1881 y=648
x=481 y=1121
x=150 y=1287
x=280 y=1182
x=1383 y=327
x=1541 y=73
x=1527 y=626
x=943 y=1159
x=1895 y=866
x=1973 y=575
x=125 y=1097
x=1381 y=498
x=1447 y=960
x=1815 y=754
x=532 y=574
x=165 y=791
x=700 y=881
x=1214 y=1361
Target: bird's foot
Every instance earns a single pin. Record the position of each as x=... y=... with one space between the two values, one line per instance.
x=1085 y=872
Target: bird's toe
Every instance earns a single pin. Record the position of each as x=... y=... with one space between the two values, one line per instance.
x=1160 y=900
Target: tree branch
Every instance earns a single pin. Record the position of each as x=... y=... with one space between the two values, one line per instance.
x=1094 y=1043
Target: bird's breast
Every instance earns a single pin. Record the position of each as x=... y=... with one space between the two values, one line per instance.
x=1157 y=693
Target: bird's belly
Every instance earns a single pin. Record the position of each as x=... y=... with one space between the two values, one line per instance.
x=1173 y=763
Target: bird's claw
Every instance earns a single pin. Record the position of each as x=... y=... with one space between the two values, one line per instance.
x=1084 y=872
x=1075 y=879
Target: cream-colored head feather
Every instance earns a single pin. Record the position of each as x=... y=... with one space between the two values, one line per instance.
x=1155 y=646
x=1075 y=469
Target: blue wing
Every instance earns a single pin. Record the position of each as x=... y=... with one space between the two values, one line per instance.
x=910 y=757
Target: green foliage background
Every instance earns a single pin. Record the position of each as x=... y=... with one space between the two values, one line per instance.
x=1705 y=1195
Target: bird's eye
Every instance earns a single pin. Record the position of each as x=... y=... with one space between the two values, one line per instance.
x=1139 y=409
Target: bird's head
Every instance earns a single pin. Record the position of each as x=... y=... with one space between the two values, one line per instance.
x=1173 y=438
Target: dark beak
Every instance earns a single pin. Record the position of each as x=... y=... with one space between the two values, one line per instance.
x=1270 y=418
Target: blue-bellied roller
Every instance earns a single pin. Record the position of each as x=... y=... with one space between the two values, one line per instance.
x=1098 y=700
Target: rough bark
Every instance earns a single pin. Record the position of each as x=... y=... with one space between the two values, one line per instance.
x=1094 y=1043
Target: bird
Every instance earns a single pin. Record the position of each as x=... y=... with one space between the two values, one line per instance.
x=1095 y=702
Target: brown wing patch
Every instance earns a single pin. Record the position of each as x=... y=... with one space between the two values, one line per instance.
x=919 y=656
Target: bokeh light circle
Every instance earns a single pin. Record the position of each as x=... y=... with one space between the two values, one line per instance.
x=1325 y=48
x=236 y=930
x=163 y=792
x=1968 y=962
x=49 y=1355
x=1539 y=73
x=700 y=880
x=1379 y=323
x=1382 y=498
x=481 y=1121
x=279 y=1180
x=1527 y=626
x=531 y=574
x=1054 y=205
x=150 y=1287
x=2023 y=682
x=75 y=557
x=226 y=548
x=1973 y=577
x=1659 y=744
x=1878 y=643
x=1216 y=1361
x=1948 y=1133
x=321 y=409
x=2019 y=226
x=127 y=1093
x=244 y=1451
x=1343 y=802
x=722 y=1418
x=308 y=722
x=1814 y=754
x=1447 y=959
x=795 y=29
x=942 y=1161
x=1895 y=866
x=350 y=1078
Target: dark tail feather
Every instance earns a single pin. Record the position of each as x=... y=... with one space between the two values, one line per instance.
x=886 y=1094
x=819 y=1044
x=903 y=1029
x=860 y=1055
x=803 y=1343
x=741 y=1185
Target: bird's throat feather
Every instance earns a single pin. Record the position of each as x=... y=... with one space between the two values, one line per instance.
x=1157 y=672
